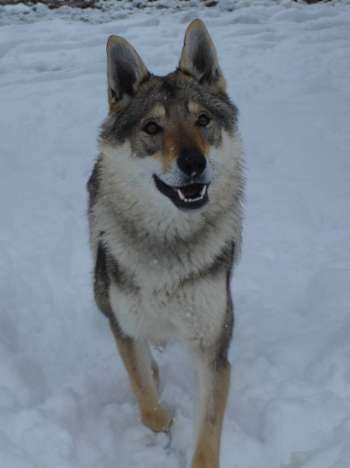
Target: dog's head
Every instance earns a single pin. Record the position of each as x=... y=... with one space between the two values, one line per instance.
x=173 y=130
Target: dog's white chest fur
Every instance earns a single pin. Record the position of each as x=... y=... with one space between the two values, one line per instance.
x=175 y=297
x=193 y=312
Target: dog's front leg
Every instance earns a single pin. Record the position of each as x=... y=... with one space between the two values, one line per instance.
x=213 y=382
x=214 y=372
x=144 y=379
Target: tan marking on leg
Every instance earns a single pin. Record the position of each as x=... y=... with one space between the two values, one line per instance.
x=213 y=391
x=144 y=377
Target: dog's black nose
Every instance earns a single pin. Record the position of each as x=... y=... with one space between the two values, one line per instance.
x=192 y=162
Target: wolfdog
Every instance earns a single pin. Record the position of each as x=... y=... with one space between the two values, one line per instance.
x=165 y=224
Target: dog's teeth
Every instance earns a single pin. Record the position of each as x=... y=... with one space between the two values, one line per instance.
x=181 y=195
x=191 y=200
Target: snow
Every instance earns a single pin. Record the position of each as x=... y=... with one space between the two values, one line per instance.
x=64 y=396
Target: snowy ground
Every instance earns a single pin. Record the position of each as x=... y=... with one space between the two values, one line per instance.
x=64 y=396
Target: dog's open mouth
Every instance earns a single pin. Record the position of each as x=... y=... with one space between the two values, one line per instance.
x=188 y=197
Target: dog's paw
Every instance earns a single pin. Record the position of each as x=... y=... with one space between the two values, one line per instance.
x=158 y=419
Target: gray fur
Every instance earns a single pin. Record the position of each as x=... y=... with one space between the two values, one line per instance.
x=172 y=91
x=125 y=69
x=199 y=57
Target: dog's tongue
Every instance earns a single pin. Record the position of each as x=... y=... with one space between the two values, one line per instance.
x=192 y=191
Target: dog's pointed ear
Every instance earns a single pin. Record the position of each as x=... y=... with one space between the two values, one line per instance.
x=125 y=70
x=199 y=58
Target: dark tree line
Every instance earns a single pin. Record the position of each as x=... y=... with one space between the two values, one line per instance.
x=99 y=3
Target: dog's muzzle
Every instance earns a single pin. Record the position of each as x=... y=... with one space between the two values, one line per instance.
x=189 y=196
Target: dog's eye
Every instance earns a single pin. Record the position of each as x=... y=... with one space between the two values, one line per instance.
x=203 y=120
x=152 y=128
